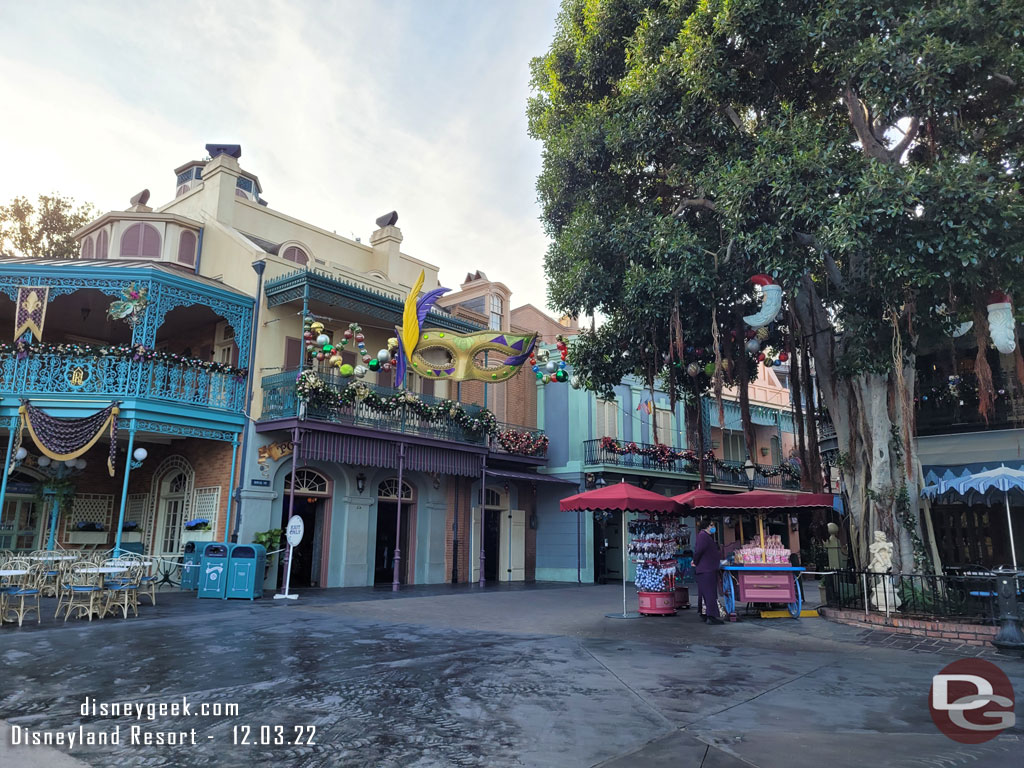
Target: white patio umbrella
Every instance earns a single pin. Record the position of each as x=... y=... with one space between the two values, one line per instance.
x=986 y=485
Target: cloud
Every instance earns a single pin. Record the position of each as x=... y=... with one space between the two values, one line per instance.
x=344 y=111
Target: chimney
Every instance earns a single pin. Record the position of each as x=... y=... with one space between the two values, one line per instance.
x=387 y=243
x=220 y=180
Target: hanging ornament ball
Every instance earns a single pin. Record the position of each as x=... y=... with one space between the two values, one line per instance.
x=536 y=368
x=360 y=337
x=768 y=362
x=924 y=397
x=551 y=366
x=539 y=375
x=308 y=321
x=545 y=378
x=345 y=370
x=386 y=366
x=689 y=349
x=543 y=355
x=693 y=370
x=322 y=339
x=574 y=382
x=307 y=335
x=316 y=327
x=762 y=333
x=761 y=357
x=778 y=363
x=328 y=348
x=699 y=351
x=726 y=365
x=383 y=356
x=783 y=356
x=709 y=369
x=561 y=376
x=753 y=346
x=393 y=344
x=1002 y=391
x=359 y=371
x=562 y=364
x=319 y=355
x=348 y=333
x=335 y=360
x=366 y=358
x=309 y=347
x=373 y=365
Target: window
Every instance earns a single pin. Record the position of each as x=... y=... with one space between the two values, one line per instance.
x=606 y=419
x=389 y=490
x=296 y=254
x=309 y=483
x=734 y=448
x=292 y=353
x=497 y=313
x=662 y=417
x=493 y=499
x=87 y=248
x=140 y=241
x=187 y=249
x=776 y=450
x=102 y=240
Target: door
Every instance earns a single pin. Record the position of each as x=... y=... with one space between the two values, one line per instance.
x=613 y=549
x=512 y=560
x=474 y=564
x=492 y=544
x=19 y=524
x=305 y=565
x=171 y=514
x=387 y=539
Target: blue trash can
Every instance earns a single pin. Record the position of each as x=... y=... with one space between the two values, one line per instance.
x=190 y=564
x=246 y=566
x=213 y=570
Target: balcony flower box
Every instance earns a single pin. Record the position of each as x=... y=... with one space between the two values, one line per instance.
x=88 y=537
x=187 y=536
x=131 y=537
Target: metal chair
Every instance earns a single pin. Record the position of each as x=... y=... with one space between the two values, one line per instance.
x=123 y=594
x=25 y=588
x=85 y=593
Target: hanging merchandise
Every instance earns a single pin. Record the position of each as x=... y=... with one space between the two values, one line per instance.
x=771 y=302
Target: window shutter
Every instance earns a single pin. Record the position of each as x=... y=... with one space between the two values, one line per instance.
x=292 y=353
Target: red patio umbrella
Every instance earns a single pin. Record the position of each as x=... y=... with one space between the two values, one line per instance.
x=754 y=501
x=621 y=497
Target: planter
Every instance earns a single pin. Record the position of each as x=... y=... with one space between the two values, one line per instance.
x=131 y=537
x=187 y=536
x=657 y=603
x=682 y=597
x=88 y=537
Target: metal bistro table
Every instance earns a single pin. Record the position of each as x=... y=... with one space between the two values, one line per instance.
x=763 y=584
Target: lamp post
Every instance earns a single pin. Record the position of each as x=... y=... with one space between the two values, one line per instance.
x=134 y=461
x=750 y=470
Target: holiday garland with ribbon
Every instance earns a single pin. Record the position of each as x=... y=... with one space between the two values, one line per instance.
x=665 y=455
x=522 y=443
x=137 y=353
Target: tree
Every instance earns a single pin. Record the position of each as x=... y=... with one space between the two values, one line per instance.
x=43 y=230
x=866 y=157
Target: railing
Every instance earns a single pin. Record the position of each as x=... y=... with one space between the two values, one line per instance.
x=945 y=408
x=516 y=440
x=280 y=401
x=729 y=473
x=969 y=596
x=120 y=377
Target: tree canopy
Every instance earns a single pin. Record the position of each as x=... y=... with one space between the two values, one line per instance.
x=42 y=229
x=865 y=156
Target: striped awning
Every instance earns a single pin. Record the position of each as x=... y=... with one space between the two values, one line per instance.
x=374 y=452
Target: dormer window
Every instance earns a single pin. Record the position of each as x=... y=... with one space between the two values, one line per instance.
x=497 y=313
x=246 y=188
x=187 y=249
x=296 y=254
x=87 y=252
x=102 y=240
x=140 y=241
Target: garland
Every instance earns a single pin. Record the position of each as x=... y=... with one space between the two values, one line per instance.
x=665 y=455
x=523 y=443
x=138 y=353
x=312 y=390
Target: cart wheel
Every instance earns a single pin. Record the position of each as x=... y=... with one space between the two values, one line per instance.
x=729 y=594
x=794 y=608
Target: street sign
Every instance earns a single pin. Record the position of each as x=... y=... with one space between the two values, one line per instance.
x=260 y=483
x=295 y=530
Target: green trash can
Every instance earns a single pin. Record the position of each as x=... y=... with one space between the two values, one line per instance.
x=190 y=563
x=246 y=565
x=213 y=570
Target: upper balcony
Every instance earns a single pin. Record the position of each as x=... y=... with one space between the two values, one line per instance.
x=170 y=346
x=648 y=457
x=949 y=406
x=281 y=402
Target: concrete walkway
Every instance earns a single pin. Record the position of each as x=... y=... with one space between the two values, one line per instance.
x=516 y=676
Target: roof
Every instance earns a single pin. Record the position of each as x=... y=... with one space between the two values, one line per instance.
x=265 y=245
x=98 y=264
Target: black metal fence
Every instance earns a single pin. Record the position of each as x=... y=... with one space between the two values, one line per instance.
x=969 y=596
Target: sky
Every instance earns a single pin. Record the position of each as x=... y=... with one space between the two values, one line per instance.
x=345 y=110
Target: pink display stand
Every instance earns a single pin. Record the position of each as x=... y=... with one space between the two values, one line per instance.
x=657 y=603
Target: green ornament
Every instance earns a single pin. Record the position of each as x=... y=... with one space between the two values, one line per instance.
x=374 y=364
x=709 y=369
x=328 y=348
x=561 y=376
x=540 y=376
x=345 y=370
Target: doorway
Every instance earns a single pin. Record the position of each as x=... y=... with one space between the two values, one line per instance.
x=388 y=536
x=306 y=558
x=492 y=541
x=608 y=548
x=20 y=525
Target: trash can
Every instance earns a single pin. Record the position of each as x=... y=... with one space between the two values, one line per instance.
x=245 y=571
x=190 y=564
x=213 y=570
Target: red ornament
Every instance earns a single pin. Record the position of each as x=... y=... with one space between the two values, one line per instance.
x=360 y=337
x=308 y=335
x=783 y=356
x=348 y=333
x=761 y=357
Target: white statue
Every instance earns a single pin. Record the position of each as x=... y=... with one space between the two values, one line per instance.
x=834 y=548
x=1001 y=322
x=883 y=593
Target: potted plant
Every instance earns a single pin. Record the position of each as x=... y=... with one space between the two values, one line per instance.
x=130 y=532
x=198 y=529
x=87 y=532
x=271 y=541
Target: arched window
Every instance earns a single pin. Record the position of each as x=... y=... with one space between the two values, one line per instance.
x=296 y=254
x=102 y=240
x=187 y=248
x=308 y=483
x=389 y=490
x=140 y=241
x=87 y=248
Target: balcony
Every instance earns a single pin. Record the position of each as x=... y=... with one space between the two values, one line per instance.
x=119 y=377
x=727 y=473
x=517 y=441
x=948 y=408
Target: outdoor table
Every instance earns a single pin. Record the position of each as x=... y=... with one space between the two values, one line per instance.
x=104 y=569
x=763 y=584
x=47 y=558
x=13 y=571
x=128 y=563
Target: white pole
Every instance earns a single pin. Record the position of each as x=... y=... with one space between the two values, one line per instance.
x=288 y=577
x=624 y=561
x=1009 y=523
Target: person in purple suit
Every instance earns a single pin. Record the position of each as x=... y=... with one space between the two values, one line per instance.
x=706 y=563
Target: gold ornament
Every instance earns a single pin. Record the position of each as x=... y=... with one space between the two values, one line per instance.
x=762 y=334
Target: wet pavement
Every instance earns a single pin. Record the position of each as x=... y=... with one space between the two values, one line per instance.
x=506 y=676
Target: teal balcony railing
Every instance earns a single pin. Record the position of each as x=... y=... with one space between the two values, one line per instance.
x=120 y=377
x=280 y=401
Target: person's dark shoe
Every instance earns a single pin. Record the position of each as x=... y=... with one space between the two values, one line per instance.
x=715 y=620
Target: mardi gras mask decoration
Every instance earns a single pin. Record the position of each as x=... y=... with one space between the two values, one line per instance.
x=443 y=355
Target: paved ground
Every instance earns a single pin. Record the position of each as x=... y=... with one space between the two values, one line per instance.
x=503 y=677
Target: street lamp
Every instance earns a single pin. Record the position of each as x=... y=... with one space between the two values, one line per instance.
x=600 y=481
x=750 y=469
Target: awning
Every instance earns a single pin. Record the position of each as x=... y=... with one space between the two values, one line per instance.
x=510 y=473
x=753 y=501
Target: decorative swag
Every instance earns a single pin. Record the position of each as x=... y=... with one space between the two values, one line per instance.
x=66 y=439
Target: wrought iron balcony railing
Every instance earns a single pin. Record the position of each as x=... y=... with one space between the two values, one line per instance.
x=947 y=406
x=117 y=376
x=280 y=401
x=725 y=472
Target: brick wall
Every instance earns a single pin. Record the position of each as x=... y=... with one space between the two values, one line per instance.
x=954 y=632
